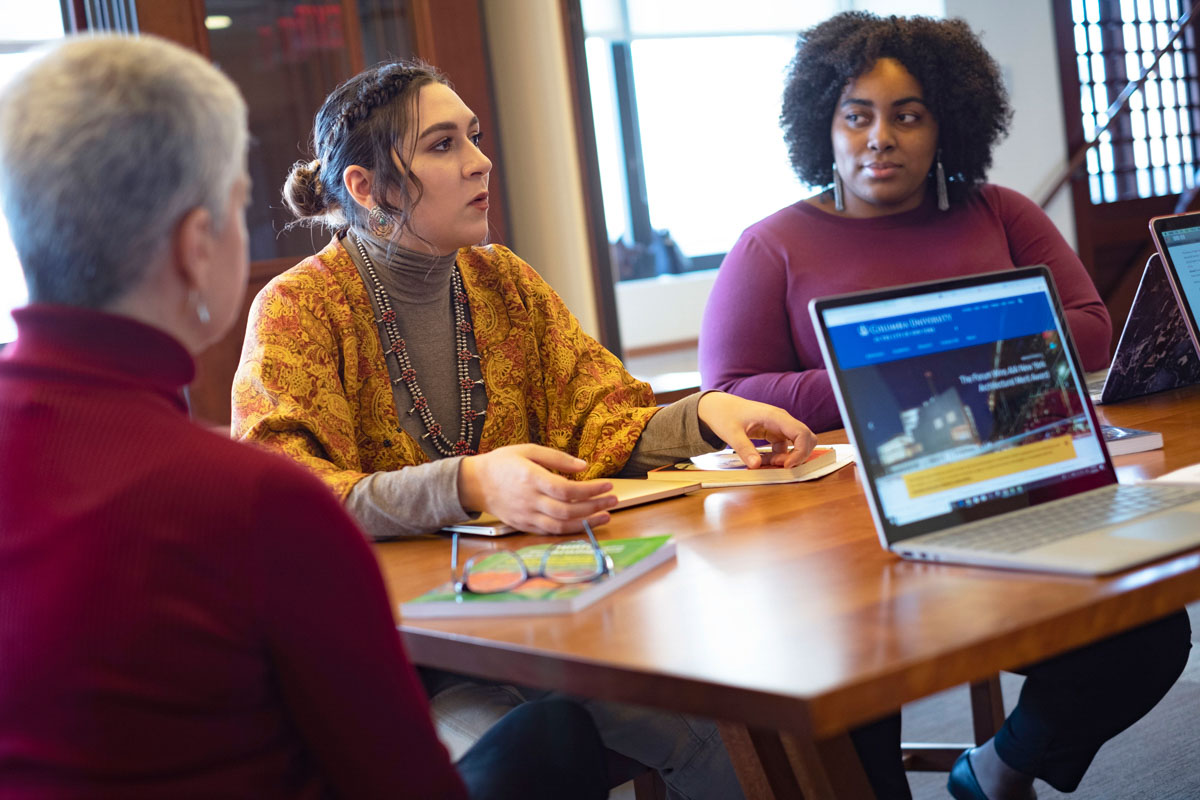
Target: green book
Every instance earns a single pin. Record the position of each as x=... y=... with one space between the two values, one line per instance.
x=630 y=558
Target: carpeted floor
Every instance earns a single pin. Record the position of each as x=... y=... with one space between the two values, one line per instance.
x=1156 y=759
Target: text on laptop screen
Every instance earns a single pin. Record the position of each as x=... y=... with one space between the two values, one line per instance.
x=961 y=397
x=1183 y=246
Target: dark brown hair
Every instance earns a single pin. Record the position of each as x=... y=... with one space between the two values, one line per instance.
x=362 y=122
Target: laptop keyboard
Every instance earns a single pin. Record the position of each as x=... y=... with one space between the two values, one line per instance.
x=1060 y=519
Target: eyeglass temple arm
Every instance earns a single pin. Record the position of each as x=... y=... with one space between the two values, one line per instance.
x=454 y=581
x=604 y=561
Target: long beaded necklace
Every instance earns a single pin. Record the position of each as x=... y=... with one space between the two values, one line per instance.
x=408 y=374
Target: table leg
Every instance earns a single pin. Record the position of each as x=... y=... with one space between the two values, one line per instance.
x=781 y=766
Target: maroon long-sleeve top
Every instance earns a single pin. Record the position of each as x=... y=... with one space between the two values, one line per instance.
x=757 y=340
x=182 y=615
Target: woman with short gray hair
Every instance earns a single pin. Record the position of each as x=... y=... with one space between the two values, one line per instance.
x=182 y=615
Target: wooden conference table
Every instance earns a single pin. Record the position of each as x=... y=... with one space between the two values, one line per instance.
x=784 y=619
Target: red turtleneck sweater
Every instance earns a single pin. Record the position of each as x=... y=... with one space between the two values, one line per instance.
x=182 y=615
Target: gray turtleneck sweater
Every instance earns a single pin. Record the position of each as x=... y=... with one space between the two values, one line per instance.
x=424 y=498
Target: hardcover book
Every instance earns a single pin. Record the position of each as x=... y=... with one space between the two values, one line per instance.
x=725 y=468
x=1121 y=441
x=630 y=558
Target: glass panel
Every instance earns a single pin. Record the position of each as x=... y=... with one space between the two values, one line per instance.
x=1141 y=158
x=1157 y=157
x=693 y=130
x=386 y=30
x=1129 y=36
x=608 y=137
x=1100 y=98
x=286 y=56
x=26 y=26
x=925 y=8
x=604 y=18
x=30 y=22
x=699 y=17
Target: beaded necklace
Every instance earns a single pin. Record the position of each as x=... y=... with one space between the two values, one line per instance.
x=396 y=347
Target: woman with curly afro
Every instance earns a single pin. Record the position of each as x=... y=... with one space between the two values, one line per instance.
x=898 y=116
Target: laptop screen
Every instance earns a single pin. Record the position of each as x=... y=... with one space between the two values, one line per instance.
x=1182 y=248
x=963 y=398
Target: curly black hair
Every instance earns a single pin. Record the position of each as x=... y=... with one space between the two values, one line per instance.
x=960 y=80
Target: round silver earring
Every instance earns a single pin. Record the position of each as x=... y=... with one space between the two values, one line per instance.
x=380 y=223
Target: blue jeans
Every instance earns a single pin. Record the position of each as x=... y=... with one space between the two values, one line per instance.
x=547 y=750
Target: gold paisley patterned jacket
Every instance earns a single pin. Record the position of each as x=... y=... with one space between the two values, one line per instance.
x=313 y=383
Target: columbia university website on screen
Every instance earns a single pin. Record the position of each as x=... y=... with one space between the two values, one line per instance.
x=962 y=397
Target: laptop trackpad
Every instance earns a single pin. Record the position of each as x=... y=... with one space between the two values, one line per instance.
x=1165 y=527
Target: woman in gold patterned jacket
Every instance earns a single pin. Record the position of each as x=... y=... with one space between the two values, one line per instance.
x=425 y=378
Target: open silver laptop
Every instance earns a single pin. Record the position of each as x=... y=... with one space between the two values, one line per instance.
x=966 y=404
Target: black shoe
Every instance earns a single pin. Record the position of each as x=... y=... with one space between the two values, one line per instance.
x=962 y=783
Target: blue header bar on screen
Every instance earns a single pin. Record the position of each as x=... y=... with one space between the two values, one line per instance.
x=923 y=328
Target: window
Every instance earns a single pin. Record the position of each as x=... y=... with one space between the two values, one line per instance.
x=1150 y=152
x=26 y=27
x=686 y=97
x=687 y=164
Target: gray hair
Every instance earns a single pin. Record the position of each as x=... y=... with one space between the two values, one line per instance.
x=106 y=142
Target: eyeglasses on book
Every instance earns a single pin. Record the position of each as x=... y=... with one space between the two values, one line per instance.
x=494 y=571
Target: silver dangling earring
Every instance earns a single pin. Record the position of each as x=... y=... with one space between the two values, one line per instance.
x=196 y=300
x=943 y=197
x=839 y=199
x=380 y=223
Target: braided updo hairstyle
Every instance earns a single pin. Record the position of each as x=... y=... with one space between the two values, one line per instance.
x=960 y=81
x=362 y=122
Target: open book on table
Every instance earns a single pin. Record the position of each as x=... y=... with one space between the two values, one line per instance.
x=725 y=468
x=629 y=492
x=630 y=558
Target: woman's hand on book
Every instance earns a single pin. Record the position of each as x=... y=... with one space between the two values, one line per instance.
x=737 y=420
x=515 y=484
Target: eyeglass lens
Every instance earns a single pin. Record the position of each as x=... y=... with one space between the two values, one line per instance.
x=575 y=561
